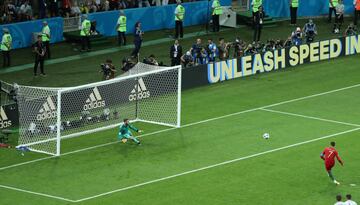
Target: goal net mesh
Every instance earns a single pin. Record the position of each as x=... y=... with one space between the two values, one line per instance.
x=149 y=95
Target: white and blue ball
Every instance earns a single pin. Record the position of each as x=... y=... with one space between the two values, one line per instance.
x=266 y=136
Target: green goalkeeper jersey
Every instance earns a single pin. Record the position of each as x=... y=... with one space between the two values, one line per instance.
x=125 y=129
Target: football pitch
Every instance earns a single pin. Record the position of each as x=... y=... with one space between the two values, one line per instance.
x=218 y=156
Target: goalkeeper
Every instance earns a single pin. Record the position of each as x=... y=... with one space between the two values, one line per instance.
x=125 y=133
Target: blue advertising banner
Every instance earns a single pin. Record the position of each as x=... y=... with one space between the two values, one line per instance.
x=153 y=18
x=22 y=33
x=281 y=8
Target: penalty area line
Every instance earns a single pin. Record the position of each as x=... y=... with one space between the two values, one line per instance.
x=36 y=193
x=216 y=165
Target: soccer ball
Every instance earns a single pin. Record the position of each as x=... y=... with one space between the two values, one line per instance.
x=124 y=140
x=266 y=136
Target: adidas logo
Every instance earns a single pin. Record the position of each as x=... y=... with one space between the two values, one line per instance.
x=139 y=92
x=47 y=110
x=94 y=101
x=4 y=120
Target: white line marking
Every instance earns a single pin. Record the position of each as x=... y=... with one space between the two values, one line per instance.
x=216 y=165
x=310 y=117
x=37 y=193
x=188 y=125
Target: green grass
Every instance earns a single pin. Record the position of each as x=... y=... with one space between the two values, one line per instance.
x=293 y=175
x=290 y=176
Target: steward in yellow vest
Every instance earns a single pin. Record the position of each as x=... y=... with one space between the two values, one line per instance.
x=121 y=28
x=85 y=33
x=294 y=4
x=179 y=19
x=46 y=36
x=6 y=44
x=217 y=11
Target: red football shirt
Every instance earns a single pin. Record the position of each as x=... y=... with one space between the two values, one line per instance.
x=329 y=155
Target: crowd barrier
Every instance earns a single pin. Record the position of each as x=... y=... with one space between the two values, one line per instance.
x=280 y=8
x=152 y=18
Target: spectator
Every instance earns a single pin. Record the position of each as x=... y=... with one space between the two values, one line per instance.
x=141 y=2
x=310 y=31
x=108 y=70
x=212 y=50
x=165 y=2
x=156 y=2
x=349 y=201
x=338 y=200
x=187 y=59
x=66 y=8
x=9 y=12
x=40 y=50
x=42 y=9
x=350 y=30
x=130 y=3
x=113 y=4
x=122 y=4
x=339 y=16
x=92 y=6
x=106 y=6
x=138 y=38
x=296 y=37
x=84 y=8
x=25 y=11
x=175 y=53
x=54 y=8
x=75 y=10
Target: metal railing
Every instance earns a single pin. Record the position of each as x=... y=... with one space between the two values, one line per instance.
x=72 y=23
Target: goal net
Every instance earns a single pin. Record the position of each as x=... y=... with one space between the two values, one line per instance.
x=50 y=115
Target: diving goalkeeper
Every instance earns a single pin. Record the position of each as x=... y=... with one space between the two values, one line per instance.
x=125 y=133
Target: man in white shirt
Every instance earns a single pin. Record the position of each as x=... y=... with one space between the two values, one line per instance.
x=349 y=201
x=338 y=200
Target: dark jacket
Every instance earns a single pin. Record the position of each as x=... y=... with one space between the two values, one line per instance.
x=173 y=52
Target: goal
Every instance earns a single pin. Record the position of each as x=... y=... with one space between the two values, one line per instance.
x=47 y=116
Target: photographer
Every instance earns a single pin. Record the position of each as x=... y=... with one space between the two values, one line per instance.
x=350 y=30
x=151 y=60
x=239 y=47
x=310 y=31
x=128 y=63
x=269 y=46
x=250 y=50
x=187 y=59
x=108 y=70
x=296 y=37
x=196 y=52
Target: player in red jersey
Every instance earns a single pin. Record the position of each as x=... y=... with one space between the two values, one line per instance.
x=328 y=155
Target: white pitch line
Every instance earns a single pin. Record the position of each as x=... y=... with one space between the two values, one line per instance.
x=188 y=125
x=37 y=193
x=216 y=165
x=310 y=117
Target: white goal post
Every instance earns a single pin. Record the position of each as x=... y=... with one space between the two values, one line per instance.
x=49 y=115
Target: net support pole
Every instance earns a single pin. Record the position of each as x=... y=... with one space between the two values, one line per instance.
x=179 y=97
x=58 y=123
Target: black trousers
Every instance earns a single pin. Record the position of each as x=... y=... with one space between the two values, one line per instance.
x=339 y=20
x=85 y=42
x=257 y=32
x=39 y=60
x=175 y=61
x=47 y=46
x=216 y=23
x=356 y=15
x=121 y=38
x=331 y=11
x=179 y=30
x=136 y=49
x=293 y=14
x=6 y=58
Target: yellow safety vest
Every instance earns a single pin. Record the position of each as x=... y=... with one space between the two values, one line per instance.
x=6 y=42
x=217 y=8
x=256 y=5
x=181 y=13
x=295 y=3
x=45 y=33
x=85 y=28
x=122 y=24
